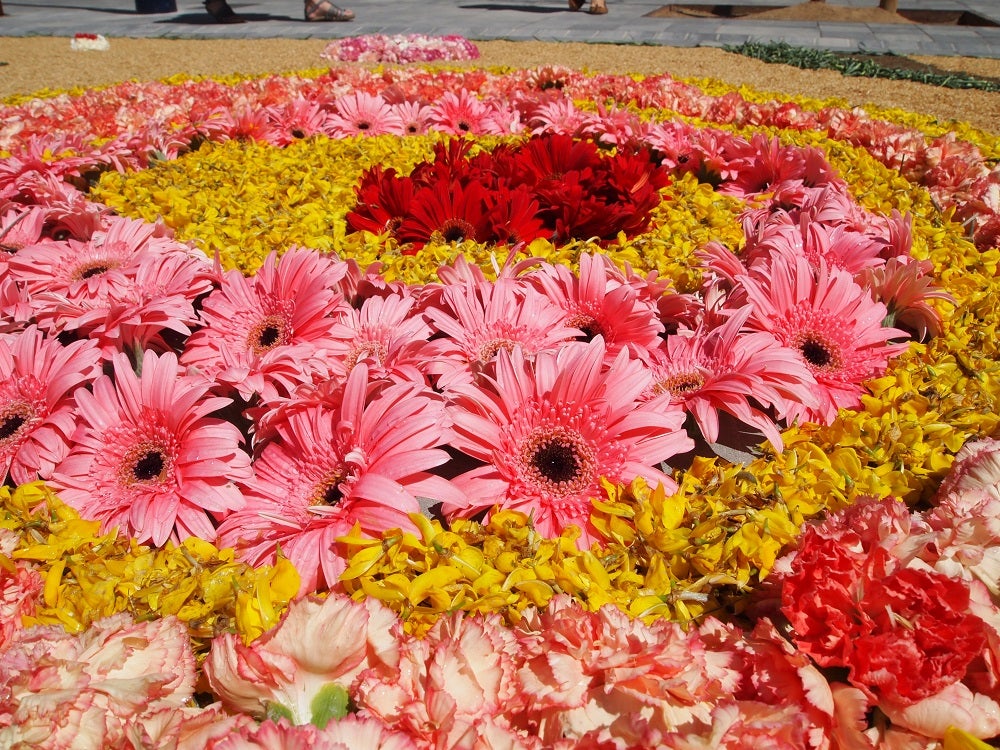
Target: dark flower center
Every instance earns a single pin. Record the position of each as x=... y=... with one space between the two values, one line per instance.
x=364 y=125
x=682 y=383
x=588 y=326
x=267 y=334
x=328 y=492
x=11 y=425
x=93 y=271
x=14 y=417
x=556 y=460
x=457 y=230
x=93 y=268
x=816 y=352
x=149 y=466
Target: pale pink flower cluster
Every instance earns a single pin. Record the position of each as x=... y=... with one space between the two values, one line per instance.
x=563 y=678
x=96 y=690
x=400 y=48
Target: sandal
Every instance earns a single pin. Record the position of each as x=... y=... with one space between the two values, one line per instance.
x=598 y=8
x=576 y=4
x=222 y=13
x=324 y=10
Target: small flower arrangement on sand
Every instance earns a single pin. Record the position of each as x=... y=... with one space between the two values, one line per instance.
x=400 y=48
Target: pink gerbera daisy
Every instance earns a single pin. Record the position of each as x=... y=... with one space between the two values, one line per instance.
x=713 y=370
x=37 y=378
x=20 y=228
x=262 y=334
x=150 y=304
x=480 y=319
x=547 y=431
x=361 y=113
x=460 y=113
x=599 y=302
x=386 y=334
x=148 y=459
x=360 y=456
x=830 y=322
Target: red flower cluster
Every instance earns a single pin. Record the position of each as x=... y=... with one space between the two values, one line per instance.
x=905 y=633
x=551 y=186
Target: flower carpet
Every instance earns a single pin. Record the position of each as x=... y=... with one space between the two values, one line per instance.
x=398 y=406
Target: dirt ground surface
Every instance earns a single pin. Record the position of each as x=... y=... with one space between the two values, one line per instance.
x=37 y=63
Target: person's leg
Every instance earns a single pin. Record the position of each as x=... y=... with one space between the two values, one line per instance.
x=325 y=10
x=222 y=13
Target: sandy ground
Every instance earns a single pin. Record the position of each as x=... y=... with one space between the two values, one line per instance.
x=37 y=63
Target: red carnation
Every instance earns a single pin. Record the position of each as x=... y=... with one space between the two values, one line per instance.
x=904 y=634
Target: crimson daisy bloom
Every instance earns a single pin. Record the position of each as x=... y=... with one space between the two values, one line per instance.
x=547 y=430
x=446 y=211
x=148 y=458
x=361 y=456
x=37 y=416
x=830 y=322
x=262 y=335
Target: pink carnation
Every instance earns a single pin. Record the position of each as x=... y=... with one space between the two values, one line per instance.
x=77 y=692
x=316 y=643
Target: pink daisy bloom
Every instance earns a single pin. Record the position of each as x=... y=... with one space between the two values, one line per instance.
x=831 y=323
x=906 y=286
x=148 y=459
x=20 y=228
x=414 y=115
x=299 y=118
x=360 y=455
x=722 y=369
x=459 y=113
x=597 y=301
x=360 y=113
x=547 y=431
x=152 y=304
x=559 y=115
x=37 y=413
x=480 y=319
x=262 y=334
x=15 y=305
x=386 y=334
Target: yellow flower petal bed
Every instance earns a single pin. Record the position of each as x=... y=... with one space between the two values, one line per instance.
x=89 y=575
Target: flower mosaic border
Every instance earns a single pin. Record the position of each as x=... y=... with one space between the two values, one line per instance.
x=659 y=561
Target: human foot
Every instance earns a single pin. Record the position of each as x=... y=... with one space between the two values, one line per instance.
x=598 y=8
x=324 y=10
